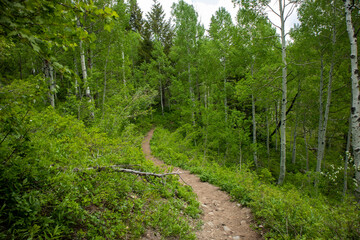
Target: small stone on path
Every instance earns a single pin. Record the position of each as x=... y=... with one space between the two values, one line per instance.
x=227 y=229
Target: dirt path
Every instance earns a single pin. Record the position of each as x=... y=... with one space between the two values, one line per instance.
x=222 y=219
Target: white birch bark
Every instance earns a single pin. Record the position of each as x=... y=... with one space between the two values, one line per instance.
x=123 y=65
x=49 y=76
x=52 y=86
x=355 y=109
x=320 y=130
x=323 y=122
x=84 y=71
x=284 y=96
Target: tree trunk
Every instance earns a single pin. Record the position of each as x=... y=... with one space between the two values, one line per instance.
x=84 y=71
x=355 y=109
x=123 y=64
x=323 y=125
x=191 y=92
x=49 y=76
x=225 y=95
x=294 y=141
x=206 y=124
x=321 y=128
x=161 y=92
x=276 y=120
x=284 y=97
x=254 y=130
x=105 y=80
x=306 y=145
x=267 y=137
x=240 y=155
x=348 y=139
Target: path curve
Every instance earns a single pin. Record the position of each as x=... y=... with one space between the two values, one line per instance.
x=222 y=218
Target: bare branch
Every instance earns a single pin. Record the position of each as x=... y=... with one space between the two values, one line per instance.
x=290 y=12
x=116 y=168
x=274 y=24
x=272 y=10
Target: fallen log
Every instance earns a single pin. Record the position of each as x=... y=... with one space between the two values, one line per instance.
x=117 y=168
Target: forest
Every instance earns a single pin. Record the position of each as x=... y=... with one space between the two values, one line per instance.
x=271 y=117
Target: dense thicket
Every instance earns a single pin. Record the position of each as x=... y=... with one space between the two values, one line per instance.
x=80 y=78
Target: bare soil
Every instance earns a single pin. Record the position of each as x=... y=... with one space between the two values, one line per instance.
x=222 y=218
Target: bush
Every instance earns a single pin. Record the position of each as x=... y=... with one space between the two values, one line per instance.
x=42 y=197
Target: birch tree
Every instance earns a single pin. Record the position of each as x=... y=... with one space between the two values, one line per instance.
x=283 y=12
x=355 y=78
x=187 y=34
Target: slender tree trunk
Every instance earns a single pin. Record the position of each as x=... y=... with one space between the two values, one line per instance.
x=161 y=92
x=49 y=76
x=321 y=128
x=191 y=92
x=267 y=137
x=105 y=80
x=294 y=141
x=84 y=71
x=225 y=95
x=254 y=130
x=123 y=65
x=348 y=140
x=284 y=96
x=206 y=124
x=323 y=122
x=240 y=155
x=306 y=144
x=355 y=78
x=277 y=120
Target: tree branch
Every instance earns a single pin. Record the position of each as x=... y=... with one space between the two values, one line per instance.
x=272 y=10
x=290 y=12
x=289 y=109
x=118 y=168
x=274 y=24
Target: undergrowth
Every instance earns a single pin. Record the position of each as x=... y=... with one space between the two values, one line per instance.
x=285 y=211
x=46 y=192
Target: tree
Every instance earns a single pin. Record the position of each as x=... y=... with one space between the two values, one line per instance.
x=187 y=35
x=355 y=78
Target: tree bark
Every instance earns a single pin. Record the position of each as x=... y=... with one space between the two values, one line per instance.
x=348 y=140
x=321 y=128
x=323 y=122
x=254 y=130
x=49 y=75
x=355 y=109
x=284 y=97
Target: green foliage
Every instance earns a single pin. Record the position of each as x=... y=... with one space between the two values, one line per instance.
x=285 y=211
x=43 y=196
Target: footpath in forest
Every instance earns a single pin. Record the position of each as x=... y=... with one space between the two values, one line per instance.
x=222 y=218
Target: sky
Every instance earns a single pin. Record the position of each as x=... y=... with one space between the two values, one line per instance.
x=207 y=8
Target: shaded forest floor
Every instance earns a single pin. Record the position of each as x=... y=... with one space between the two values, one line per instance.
x=222 y=218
